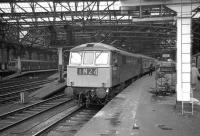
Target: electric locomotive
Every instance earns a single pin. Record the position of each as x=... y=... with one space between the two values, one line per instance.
x=95 y=70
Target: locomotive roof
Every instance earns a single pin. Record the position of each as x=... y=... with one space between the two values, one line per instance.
x=100 y=46
x=104 y=47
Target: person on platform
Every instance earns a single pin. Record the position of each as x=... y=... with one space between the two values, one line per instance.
x=150 y=69
x=194 y=77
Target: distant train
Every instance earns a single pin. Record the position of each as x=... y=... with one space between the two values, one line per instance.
x=29 y=65
x=95 y=70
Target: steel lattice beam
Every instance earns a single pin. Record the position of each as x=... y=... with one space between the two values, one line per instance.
x=91 y=21
x=88 y=12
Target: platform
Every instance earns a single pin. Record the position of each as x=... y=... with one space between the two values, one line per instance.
x=56 y=75
x=5 y=73
x=48 y=89
x=15 y=75
x=138 y=112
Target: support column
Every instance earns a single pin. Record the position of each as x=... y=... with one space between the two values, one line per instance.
x=184 y=17
x=4 y=58
x=60 y=64
x=1 y=58
x=183 y=58
x=7 y=57
x=19 y=66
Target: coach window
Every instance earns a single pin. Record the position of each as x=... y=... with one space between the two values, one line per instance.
x=101 y=58
x=88 y=58
x=76 y=58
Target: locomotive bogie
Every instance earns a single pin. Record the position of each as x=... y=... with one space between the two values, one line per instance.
x=92 y=93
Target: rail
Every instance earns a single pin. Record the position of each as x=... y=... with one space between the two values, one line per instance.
x=45 y=106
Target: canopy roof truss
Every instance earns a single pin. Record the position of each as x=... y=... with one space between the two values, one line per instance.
x=92 y=20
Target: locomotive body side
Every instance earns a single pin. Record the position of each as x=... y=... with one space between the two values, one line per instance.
x=126 y=68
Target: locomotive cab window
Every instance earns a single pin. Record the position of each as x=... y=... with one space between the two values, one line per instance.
x=101 y=58
x=88 y=58
x=76 y=58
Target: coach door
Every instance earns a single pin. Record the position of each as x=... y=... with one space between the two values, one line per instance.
x=115 y=68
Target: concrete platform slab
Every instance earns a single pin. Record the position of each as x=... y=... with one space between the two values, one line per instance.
x=48 y=89
x=56 y=75
x=15 y=75
x=138 y=112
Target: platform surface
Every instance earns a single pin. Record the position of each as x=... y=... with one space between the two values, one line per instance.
x=25 y=72
x=48 y=89
x=56 y=75
x=138 y=112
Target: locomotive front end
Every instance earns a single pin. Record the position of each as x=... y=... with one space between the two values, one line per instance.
x=89 y=74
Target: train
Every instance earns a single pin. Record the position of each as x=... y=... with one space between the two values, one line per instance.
x=96 y=70
x=30 y=65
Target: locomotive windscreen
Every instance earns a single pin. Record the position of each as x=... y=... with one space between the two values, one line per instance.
x=76 y=58
x=101 y=58
x=89 y=58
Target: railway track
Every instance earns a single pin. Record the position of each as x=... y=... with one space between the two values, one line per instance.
x=23 y=85
x=24 y=78
x=14 y=96
x=18 y=81
x=70 y=121
x=21 y=115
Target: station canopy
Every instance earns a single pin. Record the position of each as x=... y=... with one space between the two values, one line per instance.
x=56 y=23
